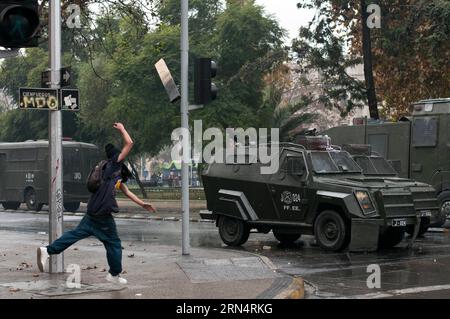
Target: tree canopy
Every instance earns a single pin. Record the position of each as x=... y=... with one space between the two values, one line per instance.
x=410 y=51
x=113 y=61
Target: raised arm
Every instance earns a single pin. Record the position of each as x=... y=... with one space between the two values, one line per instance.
x=127 y=140
x=136 y=199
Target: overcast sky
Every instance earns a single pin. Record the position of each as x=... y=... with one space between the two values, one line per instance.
x=288 y=15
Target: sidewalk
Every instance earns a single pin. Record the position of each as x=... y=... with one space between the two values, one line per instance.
x=153 y=271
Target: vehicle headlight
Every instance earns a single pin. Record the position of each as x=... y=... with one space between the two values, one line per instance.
x=365 y=202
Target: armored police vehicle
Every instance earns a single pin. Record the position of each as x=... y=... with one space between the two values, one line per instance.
x=318 y=191
x=418 y=147
x=24 y=173
x=375 y=166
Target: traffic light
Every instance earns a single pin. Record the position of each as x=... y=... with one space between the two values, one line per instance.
x=205 y=90
x=19 y=23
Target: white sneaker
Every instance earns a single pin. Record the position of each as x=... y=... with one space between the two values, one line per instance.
x=116 y=279
x=42 y=259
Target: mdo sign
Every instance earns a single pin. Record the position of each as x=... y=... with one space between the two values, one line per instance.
x=49 y=99
x=39 y=99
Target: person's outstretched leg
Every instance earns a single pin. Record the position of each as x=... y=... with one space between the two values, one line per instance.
x=65 y=241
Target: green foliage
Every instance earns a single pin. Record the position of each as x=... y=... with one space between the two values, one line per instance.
x=113 y=65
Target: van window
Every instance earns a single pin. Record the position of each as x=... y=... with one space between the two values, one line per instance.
x=425 y=132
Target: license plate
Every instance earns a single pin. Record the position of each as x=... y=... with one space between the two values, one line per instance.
x=425 y=213
x=399 y=223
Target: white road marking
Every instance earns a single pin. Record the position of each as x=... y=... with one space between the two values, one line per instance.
x=397 y=292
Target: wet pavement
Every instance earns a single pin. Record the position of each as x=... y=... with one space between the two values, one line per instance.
x=420 y=272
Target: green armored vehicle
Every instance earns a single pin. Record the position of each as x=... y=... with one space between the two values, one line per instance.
x=375 y=166
x=317 y=190
x=418 y=146
x=24 y=174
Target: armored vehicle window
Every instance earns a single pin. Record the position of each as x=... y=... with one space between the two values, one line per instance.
x=379 y=143
x=295 y=165
x=366 y=165
x=23 y=155
x=345 y=163
x=323 y=163
x=425 y=131
x=397 y=165
x=382 y=166
x=71 y=159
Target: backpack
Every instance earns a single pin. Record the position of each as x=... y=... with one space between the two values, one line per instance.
x=95 y=178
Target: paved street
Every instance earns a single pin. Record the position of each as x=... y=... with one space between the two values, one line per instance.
x=423 y=272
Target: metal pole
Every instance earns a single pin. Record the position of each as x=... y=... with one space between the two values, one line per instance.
x=185 y=123
x=55 y=140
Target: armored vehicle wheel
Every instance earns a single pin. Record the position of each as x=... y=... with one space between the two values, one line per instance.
x=444 y=204
x=331 y=231
x=234 y=232
x=30 y=201
x=391 y=237
x=424 y=225
x=286 y=238
x=11 y=205
x=72 y=207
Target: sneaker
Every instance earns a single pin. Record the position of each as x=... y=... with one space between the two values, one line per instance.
x=42 y=259
x=116 y=279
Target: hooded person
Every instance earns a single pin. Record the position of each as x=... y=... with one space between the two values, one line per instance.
x=98 y=220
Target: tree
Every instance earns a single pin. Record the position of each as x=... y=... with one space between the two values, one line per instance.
x=368 y=62
x=113 y=63
x=410 y=50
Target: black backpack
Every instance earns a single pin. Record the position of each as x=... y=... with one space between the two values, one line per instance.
x=96 y=178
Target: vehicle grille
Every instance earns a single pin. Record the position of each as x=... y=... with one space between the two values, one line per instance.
x=424 y=200
x=398 y=204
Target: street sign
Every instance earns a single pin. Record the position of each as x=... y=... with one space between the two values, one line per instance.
x=38 y=99
x=70 y=100
x=167 y=80
x=66 y=76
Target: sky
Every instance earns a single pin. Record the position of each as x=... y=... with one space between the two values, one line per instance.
x=289 y=17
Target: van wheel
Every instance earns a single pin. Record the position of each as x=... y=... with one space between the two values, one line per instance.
x=72 y=207
x=286 y=238
x=444 y=204
x=391 y=237
x=424 y=225
x=234 y=232
x=11 y=205
x=30 y=201
x=331 y=231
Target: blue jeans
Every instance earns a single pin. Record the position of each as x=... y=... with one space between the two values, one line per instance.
x=104 y=229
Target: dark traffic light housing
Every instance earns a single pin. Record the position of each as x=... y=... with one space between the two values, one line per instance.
x=205 y=90
x=19 y=23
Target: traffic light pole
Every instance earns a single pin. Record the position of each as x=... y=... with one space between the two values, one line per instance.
x=55 y=140
x=185 y=124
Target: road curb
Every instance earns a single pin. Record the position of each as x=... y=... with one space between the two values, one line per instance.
x=296 y=290
x=123 y=216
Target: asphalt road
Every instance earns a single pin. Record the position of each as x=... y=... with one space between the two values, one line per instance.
x=421 y=272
